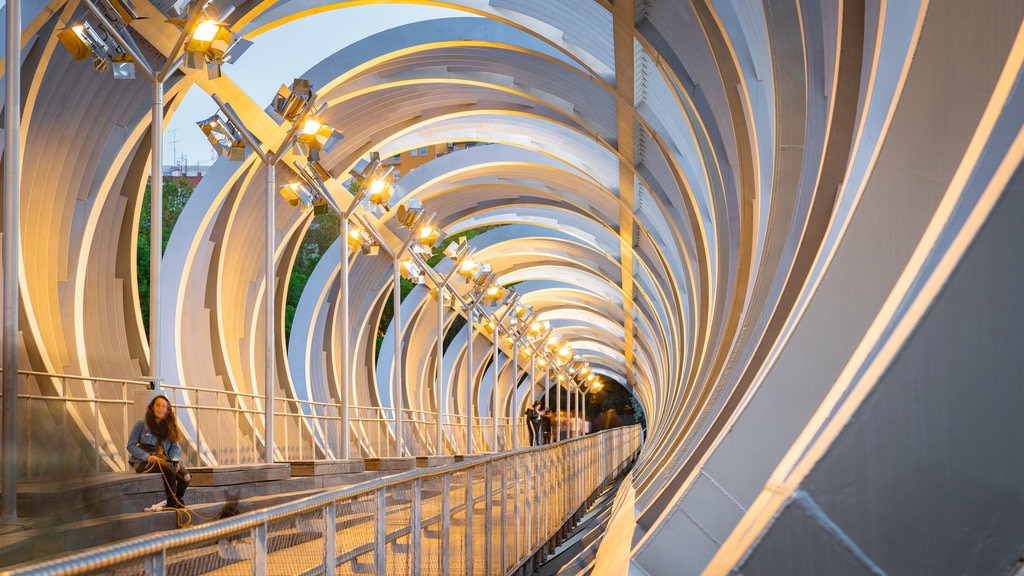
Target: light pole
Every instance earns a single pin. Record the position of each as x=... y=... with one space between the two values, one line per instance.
x=270 y=160
x=373 y=183
x=195 y=38
x=458 y=254
x=483 y=278
x=12 y=249
x=499 y=325
x=397 y=388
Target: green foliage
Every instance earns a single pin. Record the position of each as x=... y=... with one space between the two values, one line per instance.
x=176 y=194
x=322 y=232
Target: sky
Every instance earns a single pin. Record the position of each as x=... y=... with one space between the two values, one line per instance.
x=265 y=66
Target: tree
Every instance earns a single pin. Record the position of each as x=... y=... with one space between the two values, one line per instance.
x=177 y=191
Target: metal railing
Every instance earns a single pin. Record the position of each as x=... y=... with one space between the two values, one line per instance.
x=484 y=516
x=222 y=427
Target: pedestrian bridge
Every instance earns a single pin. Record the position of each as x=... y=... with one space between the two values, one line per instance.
x=490 y=514
x=789 y=229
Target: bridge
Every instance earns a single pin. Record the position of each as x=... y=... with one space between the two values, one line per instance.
x=788 y=232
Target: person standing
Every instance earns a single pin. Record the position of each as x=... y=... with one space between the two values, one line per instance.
x=153 y=448
x=535 y=421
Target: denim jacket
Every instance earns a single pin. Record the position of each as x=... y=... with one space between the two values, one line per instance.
x=141 y=434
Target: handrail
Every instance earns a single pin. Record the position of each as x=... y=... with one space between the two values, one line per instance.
x=562 y=475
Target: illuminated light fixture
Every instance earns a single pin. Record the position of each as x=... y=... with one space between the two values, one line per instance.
x=521 y=313
x=296 y=193
x=542 y=361
x=489 y=325
x=494 y=294
x=83 y=40
x=408 y=214
x=538 y=330
x=411 y=271
x=289 y=102
x=565 y=352
x=224 y=136
x=374 y=183
x=211 y=44
x=469 y=269
x=316 y=137
x=561 y=378
x=553 y=343
x=360 y=239
x=380 y=193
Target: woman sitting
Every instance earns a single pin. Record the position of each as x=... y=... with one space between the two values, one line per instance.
x=153 y=447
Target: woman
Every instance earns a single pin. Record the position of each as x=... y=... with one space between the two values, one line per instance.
x=153 y=447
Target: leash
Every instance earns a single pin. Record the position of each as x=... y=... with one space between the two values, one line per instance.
x=184 y=514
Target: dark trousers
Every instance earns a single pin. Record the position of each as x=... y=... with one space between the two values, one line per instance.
x=174 y=482
x=535 y=437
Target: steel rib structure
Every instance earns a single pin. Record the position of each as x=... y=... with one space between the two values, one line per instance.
x=791 y=228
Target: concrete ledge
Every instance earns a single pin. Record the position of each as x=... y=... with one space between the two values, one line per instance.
x=244 y=474
x=327 y=467
x=431 y=461
x=390 y=464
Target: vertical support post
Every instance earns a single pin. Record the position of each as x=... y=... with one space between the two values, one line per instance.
x=346 y=369
x=416 y=536
x=396 y=379
x=514 y=392
x=330 y=539
x=504 y=515
x=259 y=541
x=494 y=394
x=380 y=535
x=156 y=563
x=558 y=412
x=469 y=380
x=446 y=523
x=489 y=518
x=439 y=442
x=268 y=302
x=469 y=521
x=12 y=249
x=156 y=228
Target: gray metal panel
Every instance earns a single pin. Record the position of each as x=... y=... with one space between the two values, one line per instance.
x=927 y=476
x=798 y=546
x=687 y=552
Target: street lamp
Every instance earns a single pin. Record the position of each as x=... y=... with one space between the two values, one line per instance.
x=481 y=277
x=110 y=44
x=498 y=295
x=373 y=182
x=303 y=98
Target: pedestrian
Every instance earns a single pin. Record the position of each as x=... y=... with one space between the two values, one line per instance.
x=153 y=448
x=535 y=422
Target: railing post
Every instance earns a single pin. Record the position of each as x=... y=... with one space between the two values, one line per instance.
x=488 y=519
x=156 y=563
x=380 y=543
x=416 y=538
x=504 y=518
x=469 y=521
x=517 y=512
x=330 y=539
x=259 y=542
x=446 y=524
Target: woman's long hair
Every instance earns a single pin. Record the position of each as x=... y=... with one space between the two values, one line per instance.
x=167 y=428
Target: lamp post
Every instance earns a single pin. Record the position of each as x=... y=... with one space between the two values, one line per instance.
x=499 y=325
x=270 y=160
x=470 y=313
x=458 y=255
x=82 y=41
x=12 y=249
x=397 y=387
x=373 y=183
